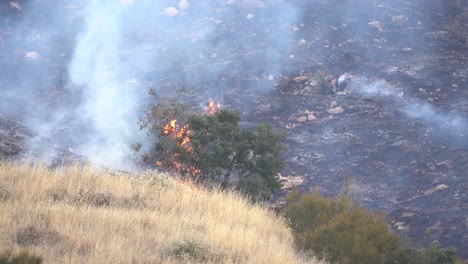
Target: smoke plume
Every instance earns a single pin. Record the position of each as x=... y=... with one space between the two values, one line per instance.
x=114 y=51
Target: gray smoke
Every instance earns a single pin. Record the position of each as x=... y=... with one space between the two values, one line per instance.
x=450 y=124
x=113 y=51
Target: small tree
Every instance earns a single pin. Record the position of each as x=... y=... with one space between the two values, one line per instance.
x=212 y=148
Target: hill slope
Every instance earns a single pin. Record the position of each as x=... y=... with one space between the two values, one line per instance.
x=86 y=215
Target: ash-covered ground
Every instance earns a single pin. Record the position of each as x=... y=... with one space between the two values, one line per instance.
x=75 y=77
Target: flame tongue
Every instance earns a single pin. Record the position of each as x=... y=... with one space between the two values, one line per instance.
x=213 y=108
x=182 y=137
x=171 y=127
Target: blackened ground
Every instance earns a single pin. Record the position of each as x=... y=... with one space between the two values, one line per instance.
x=414 y=168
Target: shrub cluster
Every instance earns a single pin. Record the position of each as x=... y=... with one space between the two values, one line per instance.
x=340 y=230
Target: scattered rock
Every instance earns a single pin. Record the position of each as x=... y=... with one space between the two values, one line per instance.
x=441 y=187
x=400 y=225
x=301 y=119
x=301 y=78
x=378 y=164
x=408 y=214
x=311 y=117
x=377 y=25
x=290 y=181
x=336 y=110
x=401 y=19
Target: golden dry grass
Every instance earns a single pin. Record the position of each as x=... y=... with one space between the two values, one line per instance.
x=87 y=215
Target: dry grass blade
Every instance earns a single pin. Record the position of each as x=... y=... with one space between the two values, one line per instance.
x=86 y=215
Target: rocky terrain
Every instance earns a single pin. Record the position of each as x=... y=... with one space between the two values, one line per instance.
x=395 y=135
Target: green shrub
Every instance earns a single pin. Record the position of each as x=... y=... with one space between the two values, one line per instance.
x=5 y=194
x=324 y=82
x=339 y=230
x=213 y=149
x=23 y=257
x=194 y=251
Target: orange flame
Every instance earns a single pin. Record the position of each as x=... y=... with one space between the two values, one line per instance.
x=182 y=137
x=171 y=127
x=213 y=108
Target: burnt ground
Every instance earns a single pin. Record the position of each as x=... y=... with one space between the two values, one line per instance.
x=412 y=167
x=396 y=135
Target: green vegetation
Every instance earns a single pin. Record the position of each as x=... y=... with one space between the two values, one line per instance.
x=341 y=231
x=211 y=148
x=194 y=251
x=7 y=257
x=324 y=82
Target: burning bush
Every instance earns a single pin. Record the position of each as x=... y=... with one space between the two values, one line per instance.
x=212 y=148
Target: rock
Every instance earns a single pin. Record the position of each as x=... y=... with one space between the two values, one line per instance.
x=290 y=181
x=336 y=110
x=311 y=117
x=250 y=16
x=342 y=82
x=401 y=19
x=441 y=187
x=376 y=24
x=300 y=79
x=301 y=119
x=466 y=222
x=406 y=49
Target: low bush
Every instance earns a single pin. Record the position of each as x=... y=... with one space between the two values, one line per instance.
x=340 y=230
x=7 y=257
x=194 y=251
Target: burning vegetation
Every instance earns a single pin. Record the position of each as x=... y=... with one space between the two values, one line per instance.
x=210 y=148
x=181 y=135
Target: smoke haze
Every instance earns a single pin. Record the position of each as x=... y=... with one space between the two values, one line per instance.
x=119 y=49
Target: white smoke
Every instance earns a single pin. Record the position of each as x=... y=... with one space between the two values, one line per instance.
x=125 y=43
x=450 y=123
x=108 y=106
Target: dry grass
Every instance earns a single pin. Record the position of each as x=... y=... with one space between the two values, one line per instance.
x=86 y=215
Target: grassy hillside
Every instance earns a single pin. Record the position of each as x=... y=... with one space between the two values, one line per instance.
x=86 y=215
